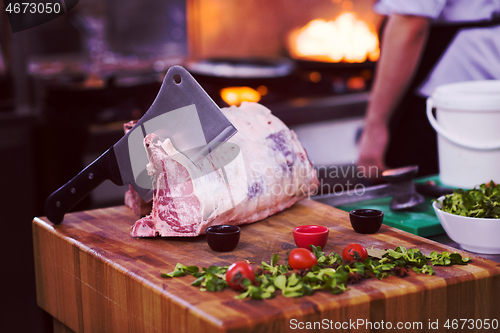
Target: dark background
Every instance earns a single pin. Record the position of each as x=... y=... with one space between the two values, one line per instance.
x=52 y=126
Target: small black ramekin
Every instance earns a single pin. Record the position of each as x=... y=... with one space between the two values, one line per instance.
x=366 y=221
x=223 y=238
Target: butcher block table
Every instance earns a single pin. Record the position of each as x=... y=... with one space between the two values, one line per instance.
x=92 y=276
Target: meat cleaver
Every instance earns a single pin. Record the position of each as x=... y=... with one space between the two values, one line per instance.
x=182 y=111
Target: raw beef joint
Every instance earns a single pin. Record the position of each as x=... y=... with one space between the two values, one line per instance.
x=260 y=171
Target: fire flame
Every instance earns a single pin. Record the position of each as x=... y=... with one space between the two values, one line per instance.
x=344 y=39
x=236 y=95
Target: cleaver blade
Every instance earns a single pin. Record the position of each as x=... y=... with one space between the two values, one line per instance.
x=182 y=112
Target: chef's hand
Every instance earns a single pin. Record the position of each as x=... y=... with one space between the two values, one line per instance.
x=405 y=37
x=372 y=147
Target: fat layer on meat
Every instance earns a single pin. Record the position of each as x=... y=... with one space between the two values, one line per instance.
x=262 y=170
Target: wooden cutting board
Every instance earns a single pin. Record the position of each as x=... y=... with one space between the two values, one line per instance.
x=93 y=277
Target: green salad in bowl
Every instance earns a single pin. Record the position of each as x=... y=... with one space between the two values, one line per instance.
x=482 y=201
x=471 y=218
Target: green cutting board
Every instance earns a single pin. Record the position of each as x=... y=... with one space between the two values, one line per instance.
x=421 y=220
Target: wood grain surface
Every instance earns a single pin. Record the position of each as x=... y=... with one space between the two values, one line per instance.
x=92 y=276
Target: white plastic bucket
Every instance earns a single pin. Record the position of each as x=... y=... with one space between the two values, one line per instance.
x=468 y=127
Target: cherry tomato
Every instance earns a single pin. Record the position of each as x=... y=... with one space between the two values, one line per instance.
x=301 y=258
x=237 y=272
x=354 y=251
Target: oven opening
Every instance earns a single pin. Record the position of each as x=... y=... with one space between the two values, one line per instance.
x=312 y=65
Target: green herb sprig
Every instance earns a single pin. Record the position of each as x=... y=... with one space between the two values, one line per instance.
x=331 y=273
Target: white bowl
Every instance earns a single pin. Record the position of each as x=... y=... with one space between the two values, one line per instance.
x=473 y=234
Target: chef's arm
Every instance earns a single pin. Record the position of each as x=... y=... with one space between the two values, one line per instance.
x=404 y=39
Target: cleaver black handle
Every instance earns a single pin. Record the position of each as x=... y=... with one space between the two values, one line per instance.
x=67 y=196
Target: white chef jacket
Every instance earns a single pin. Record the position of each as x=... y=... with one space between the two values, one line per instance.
x=474 y=53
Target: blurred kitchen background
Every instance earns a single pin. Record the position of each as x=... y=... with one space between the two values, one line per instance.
x=68 y=86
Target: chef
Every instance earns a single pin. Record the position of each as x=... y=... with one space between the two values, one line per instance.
x=424 y=44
